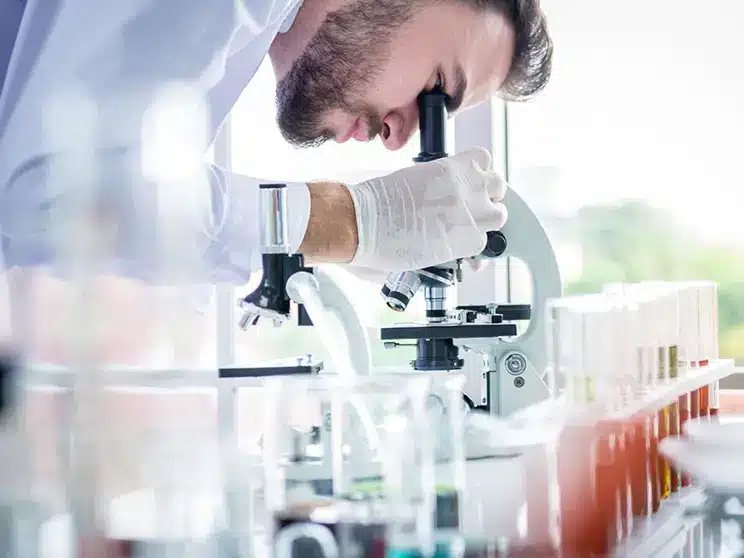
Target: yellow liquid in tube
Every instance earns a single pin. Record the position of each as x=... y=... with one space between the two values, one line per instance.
x=666 y=488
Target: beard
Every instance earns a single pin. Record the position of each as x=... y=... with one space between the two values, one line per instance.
x=343 y=58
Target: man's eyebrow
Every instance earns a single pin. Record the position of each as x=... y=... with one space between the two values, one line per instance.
x=460 y=85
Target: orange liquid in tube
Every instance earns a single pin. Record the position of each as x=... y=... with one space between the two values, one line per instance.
x=653 y=457
x=695 y=404
x=638 y=464
x=684 y=416
x=674 y=431
x=623 y=472
x=704 y=401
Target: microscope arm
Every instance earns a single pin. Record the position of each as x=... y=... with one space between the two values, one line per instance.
x=331 y=310
x=528 y=241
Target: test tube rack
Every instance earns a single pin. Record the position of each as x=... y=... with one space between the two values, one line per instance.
x=615 y=491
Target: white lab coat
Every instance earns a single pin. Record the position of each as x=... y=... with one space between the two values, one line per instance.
x=121 y=52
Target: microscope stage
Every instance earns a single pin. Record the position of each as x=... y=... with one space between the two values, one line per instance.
x=447 y=331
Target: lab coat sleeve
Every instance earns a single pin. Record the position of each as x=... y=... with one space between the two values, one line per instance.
x=224 y=233
x=237 y=250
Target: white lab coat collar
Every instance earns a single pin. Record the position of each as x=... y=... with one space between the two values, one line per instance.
x=290 y=18
x=244 y=35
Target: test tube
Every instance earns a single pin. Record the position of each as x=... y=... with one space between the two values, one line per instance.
x=640 y=477
x=574 y=448
x=660 y=340
x=577 y=446
x=689 y=325
x=684 y=416
x=709 y=335
x=646 y=426
x=624 y=315
x=671 y=313
x=648 y=340
x=568 y=346
x=611 y=483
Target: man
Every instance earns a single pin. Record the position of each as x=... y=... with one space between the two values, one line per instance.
x=345 y=69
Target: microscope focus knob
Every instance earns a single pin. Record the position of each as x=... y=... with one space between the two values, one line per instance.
x=495 y=244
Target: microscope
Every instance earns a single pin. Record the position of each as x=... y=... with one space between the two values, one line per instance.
x=513 y=366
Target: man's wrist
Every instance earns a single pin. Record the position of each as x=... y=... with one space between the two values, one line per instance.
x=332 y=235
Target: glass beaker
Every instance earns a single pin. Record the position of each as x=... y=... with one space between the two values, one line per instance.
x=323 y=458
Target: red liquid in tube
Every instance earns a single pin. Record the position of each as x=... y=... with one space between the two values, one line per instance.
x=576 y=464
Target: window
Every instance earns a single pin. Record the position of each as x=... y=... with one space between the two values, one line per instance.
x=632 y=155
x=259 y=150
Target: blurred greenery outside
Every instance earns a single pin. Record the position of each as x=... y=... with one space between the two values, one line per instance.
x=632 y=241
x=628 y=241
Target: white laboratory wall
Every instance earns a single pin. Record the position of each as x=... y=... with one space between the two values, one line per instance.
x=646 y=102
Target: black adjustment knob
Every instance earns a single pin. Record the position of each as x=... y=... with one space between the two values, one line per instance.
x=495 y=244
x=514 y=312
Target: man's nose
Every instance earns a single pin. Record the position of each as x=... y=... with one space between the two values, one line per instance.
x=399 y=125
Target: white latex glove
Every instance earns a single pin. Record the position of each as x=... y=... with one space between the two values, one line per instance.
x=428 y=214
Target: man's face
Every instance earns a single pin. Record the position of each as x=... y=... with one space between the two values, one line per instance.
x=361 y=74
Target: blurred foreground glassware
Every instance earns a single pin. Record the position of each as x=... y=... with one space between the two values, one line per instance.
x=172 y=503
x=22 y=507
x=325 y=456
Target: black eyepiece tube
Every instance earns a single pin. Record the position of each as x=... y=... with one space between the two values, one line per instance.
x=432 y=125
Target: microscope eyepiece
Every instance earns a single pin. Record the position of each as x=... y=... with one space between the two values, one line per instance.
x=432 y=107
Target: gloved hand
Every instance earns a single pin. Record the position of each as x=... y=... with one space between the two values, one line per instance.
x=428 y=214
